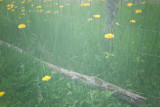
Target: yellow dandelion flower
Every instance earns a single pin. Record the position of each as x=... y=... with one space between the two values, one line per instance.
x=97 y=16
x=1 y=0
x=46 y=78
x=21 y=26
x=117 y=23
x=32 y=5
x=132 y=21
x=11 y=6
x=15 y=6
x=40 y=11
x=2 y=93
x=86 y=4
x=89 y=0
x=8 y=8
x=23 y=14
x=8 y=5
x=61 y=6
x=90 y=19
x=109 y=36
x=130 y=4
x=138 y=11
x=102 y=0
x=56 y=3
x=22 y=10
x=39 y=7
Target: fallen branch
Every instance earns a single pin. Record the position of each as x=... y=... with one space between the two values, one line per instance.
x=92 y=81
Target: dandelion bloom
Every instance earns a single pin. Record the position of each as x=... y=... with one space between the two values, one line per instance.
x=1 y=0
x=40 y=11
x=2 y=93
x=86 y=4
x=39 y=7
x=138 y=11
x=90 y=19
x=21 y=26
x=109 y=36
x=132 y=21
x=61 y=6
x=130 y=4
x=117 y=23
x=89 y=0
x=46 y=78
x=97 y=16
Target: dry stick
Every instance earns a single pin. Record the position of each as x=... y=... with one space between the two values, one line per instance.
x=92 y=81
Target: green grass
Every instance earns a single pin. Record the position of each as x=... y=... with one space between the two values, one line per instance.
x=68 y=40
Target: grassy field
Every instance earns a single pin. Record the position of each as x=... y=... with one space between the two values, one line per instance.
x=59 y=32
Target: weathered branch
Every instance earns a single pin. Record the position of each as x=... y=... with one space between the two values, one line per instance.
x=92 y=81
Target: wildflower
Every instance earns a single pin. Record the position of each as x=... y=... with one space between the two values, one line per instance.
x=109 y=36
x=56 y=4
x=90 y=19
x=39 y=7
x=86 y=4
x=32 y=5
x=138 y=11
x=89 y=0
x=46 y=78
x=23 y=14
x=61 y=6
x=22 y=10
x=1 y=0
x=130 y=4
x=15 y=6
x=2 y=93
x=117 y=23
x=11 y=6
x=132 y=21
x=8 y=5
x=40 y=11
x=96 y=16
x=21 y=26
